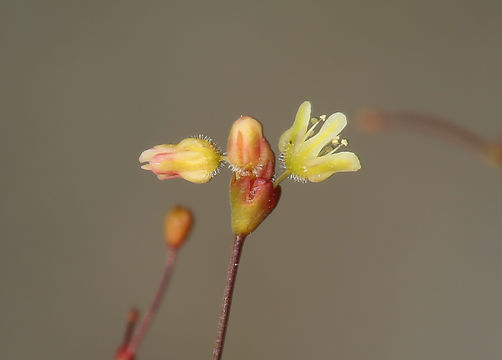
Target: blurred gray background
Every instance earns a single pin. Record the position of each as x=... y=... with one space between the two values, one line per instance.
x=401 y=260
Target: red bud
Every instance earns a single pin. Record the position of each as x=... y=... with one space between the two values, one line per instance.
x=252 y=200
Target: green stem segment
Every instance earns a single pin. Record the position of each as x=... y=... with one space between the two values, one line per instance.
x=283 y=176
x=227 y=296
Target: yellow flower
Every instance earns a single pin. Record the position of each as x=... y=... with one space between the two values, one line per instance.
x=193 y=159
x=313 y=157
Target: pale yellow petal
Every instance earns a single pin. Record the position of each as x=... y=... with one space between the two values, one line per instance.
x=197 y=176
x=323 y=167
x=285 y=142
x=302 y=121
x=295 y=135
x=330 y=129
x=148 y=154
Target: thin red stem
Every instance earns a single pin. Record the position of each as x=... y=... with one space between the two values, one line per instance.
x=227 y=296
x=147 y=319
x=373 y=120
x=441 y=128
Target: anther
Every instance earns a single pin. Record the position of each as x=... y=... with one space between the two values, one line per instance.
x=336 y=141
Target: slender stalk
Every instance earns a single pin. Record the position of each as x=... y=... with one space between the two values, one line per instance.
x=227 y=296
x=441 y=128
x=373 y=120
x=147 y=319
x=283 y=176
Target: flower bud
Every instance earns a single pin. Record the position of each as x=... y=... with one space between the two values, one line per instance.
x=248 y=151
x=193 y=159
x=177 y=225
x=251 y=200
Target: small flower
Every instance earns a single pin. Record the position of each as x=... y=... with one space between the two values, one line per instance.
x=313 y=157
x=248 y=151
x=194 y=159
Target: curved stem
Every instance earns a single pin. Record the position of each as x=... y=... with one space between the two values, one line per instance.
x=147 y=319
x=375 y=120
x=440 y=128
x=227 y=296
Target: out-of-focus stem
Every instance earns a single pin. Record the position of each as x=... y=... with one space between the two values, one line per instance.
x=227 y=296
x=376 y=120
x=132 y=320
x=147 y=319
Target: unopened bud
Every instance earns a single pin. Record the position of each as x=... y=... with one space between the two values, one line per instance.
x=193 y=159
x=252 y=200
x=248 y=151
x=177 y=225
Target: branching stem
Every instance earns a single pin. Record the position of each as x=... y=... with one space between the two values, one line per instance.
x=147 y=319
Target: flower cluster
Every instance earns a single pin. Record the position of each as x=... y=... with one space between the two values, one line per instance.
x=252 y=192
x=307 y=155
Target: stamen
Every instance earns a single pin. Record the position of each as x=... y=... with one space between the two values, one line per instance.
x=323 y=117
x=336 y=141
x=343 y=142
x=326 y=150
x=311 y=130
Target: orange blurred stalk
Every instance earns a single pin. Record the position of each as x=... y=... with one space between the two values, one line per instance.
x=374 y=121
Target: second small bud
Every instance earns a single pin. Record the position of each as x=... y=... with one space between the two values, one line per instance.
x=177 y=225
x=248 y=151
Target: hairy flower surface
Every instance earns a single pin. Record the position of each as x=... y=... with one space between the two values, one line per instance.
x=314 y=157
x=248 y=151
x=193 y=159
